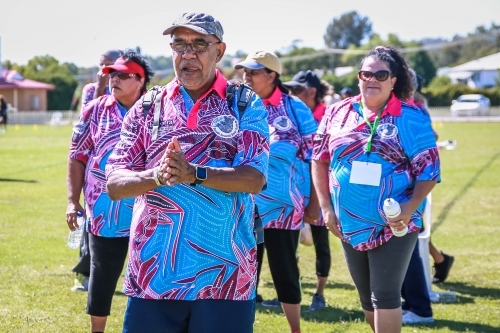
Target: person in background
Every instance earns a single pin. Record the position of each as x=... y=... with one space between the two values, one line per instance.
x=346 y=92
x=365 y=152
x=331 y=97
x=101 y=86
x=416 y=307
x=311 y=90
x=442 y=261
x=3 y=114
x=84 y=96
x=193 y=163
x=94 y=137
x=289 y=199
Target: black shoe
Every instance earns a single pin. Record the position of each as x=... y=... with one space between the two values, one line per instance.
x=259 y=299
x=442 y=269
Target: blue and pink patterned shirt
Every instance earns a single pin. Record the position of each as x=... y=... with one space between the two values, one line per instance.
x=291 y=127
x=405 y=147
x=193 y=242
x=94 y=137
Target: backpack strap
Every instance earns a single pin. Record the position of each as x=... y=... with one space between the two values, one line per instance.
x=156 y=119
x=152 y=94
x=148 y=98
x=243 y=95
x=290 y=104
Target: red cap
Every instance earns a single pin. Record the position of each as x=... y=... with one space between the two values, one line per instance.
x=124 y=66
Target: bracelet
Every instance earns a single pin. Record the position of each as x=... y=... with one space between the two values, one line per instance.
x=155 y=176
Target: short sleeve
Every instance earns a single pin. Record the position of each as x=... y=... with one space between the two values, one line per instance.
x=253 y=137
x=88 y=93
x=419 y=144
x=322 y=137
x=129 y=153
x=82 y=142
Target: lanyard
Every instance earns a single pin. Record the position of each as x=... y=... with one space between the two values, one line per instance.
x=373 y=127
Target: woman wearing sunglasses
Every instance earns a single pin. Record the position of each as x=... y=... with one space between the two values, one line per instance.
x=369 y=148
x=94 y=138
x=283 y=202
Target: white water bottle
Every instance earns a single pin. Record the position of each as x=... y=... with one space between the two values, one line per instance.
x=392 y=209
x=75 y=236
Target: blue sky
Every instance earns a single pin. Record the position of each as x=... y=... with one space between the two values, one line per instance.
x=79 y=31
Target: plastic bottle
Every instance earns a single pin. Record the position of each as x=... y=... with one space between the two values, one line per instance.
x=392 y=210
x=75 y=236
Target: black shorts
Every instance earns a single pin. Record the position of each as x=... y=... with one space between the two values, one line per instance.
x=281 y=246
x=107 y=257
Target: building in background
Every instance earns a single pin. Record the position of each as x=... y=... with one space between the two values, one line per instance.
x=479 y=73
x=23 y=94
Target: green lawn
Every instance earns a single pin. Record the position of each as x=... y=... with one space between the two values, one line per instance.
x=35 y=264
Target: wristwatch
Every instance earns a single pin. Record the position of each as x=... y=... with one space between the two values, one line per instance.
x=201 y=174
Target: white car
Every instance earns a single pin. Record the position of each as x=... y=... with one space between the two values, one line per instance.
x=471 y=105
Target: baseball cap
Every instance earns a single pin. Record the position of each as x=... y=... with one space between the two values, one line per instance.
x=346 y=90
x=303 y=78
x=124 y=66
x=200 y=22
x=259 y=60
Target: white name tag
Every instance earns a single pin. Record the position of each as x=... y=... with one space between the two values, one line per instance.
x=366 y=173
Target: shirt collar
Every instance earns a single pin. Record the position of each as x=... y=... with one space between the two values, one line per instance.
x=393 y=106
x=275 y=98
x=219 y=86
x=110 y=100
x=319 y=111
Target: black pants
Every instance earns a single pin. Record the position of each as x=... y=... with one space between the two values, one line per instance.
x=320 y=236
x=281 y=248
x=107 y=259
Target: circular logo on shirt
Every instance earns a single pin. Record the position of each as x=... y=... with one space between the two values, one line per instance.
x=225 y=126
x=282 y=123
x=387 y=131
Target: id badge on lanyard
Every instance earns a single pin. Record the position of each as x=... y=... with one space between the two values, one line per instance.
x=367 y=173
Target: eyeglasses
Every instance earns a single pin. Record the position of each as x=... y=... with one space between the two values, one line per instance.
x=379 y=76
x=121 y=75
x=196 y=46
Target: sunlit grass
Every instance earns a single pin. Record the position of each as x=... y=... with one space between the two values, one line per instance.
x=35 y=264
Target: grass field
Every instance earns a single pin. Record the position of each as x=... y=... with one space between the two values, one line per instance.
x=35 y=264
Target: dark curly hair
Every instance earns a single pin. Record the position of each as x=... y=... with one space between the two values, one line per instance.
x=403 y=87
x=132 y=55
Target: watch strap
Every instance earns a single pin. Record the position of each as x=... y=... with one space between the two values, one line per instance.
x=155 y=176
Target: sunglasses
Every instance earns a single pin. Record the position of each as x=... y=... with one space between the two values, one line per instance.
x=379 y=76
x=197 y=46
x=121 y=75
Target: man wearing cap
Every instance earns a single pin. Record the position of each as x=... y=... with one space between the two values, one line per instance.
x=108 y=222
x=192 y=260
x=311 y=90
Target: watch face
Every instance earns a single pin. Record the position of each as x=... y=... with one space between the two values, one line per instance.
x=201 y=173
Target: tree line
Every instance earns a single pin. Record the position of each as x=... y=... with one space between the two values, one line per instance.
x=350 y=31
